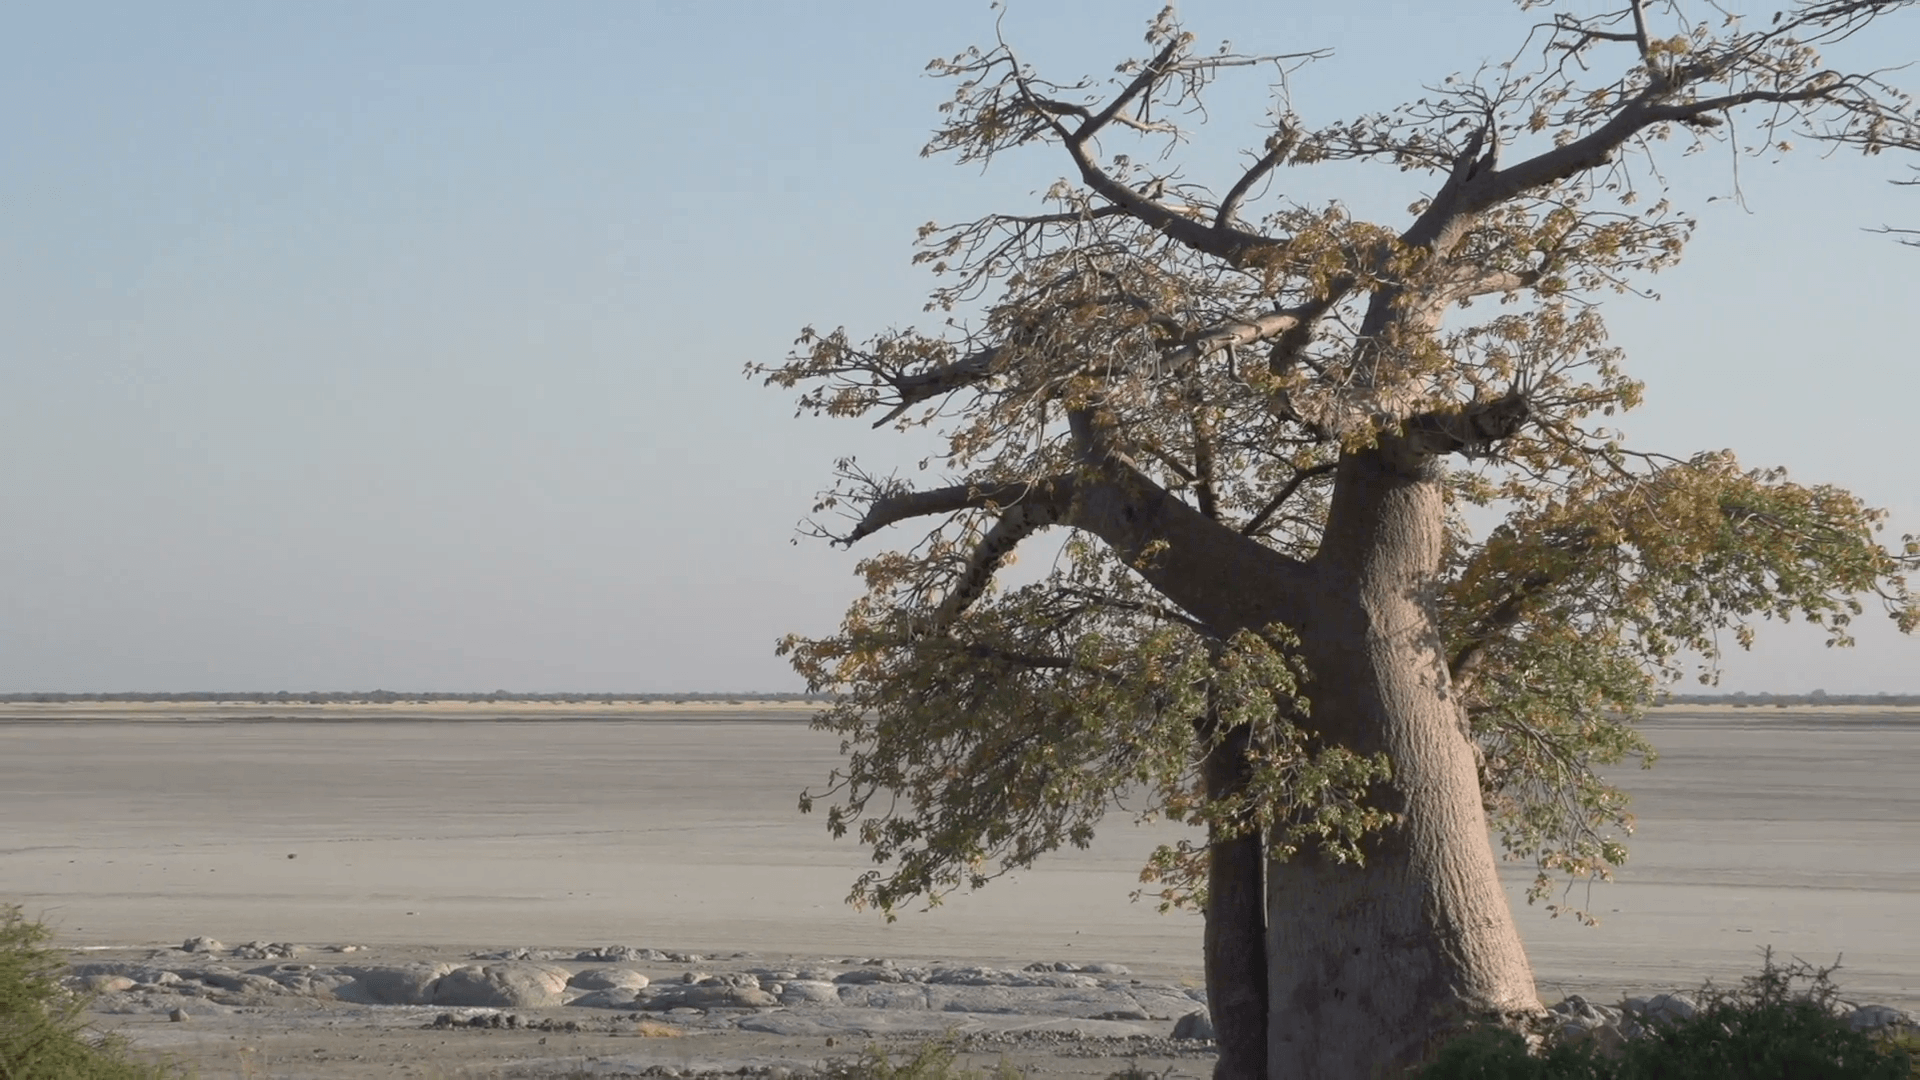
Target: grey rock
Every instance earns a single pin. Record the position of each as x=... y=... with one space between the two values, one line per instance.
x=317 y=984
x=617 y=954
x=619 y=997
x=711 y=996
x=1160 y=1002
x=106 y=984
x=1034 y=1001
x=1578 y=1012
x=202 y=945
x=178 y=1016
x=235 y=981
x=887 y=996
x=527 y=986
x=973 y=976
x=524 y=954
x=1107 y=969
x=608 y=979
x=267 y=950
x=1059 y=980
x=1195 y=1025
x=870 y=975
x=1670 y=1007
x=1876 y=1017
x=807 y=992
x=410 y=984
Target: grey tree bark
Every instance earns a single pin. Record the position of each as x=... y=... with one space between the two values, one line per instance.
x=1371 y=966
x=1367 y=968
x=1235 y=938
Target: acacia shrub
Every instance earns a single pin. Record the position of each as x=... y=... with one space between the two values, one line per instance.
x=42 y=1033
x=1767 y=1030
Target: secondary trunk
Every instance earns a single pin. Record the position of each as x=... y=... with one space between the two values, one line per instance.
x=1371 y=966
x=1236 y=929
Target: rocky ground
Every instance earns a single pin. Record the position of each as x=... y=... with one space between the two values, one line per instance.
x=283 y=1010
x=270 y=1009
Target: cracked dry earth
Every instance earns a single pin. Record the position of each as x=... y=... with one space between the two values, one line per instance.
x=319 y=1014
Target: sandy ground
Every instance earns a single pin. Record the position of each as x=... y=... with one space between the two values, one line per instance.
x=452 y=828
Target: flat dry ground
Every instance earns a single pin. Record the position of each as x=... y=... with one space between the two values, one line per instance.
x=455 y=826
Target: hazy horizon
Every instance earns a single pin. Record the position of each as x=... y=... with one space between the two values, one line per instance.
x=372 y=345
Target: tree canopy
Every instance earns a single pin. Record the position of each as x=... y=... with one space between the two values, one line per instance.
x=1213 y=348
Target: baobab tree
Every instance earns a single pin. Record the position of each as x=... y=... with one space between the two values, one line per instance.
x=1263 y=430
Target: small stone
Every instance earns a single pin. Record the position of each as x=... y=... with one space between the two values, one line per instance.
x=177 y=1016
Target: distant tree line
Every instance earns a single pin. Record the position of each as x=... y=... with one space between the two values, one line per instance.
x=1783 y=701
x=390 y=697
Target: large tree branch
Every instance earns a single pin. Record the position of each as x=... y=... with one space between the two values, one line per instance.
x=1471 y=429
x=1016 y=523
x=1201 y=566
x=1288 y=325
x=1492 y=187
x=901 y=506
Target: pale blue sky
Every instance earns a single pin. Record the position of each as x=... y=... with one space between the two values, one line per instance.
x=400 y=345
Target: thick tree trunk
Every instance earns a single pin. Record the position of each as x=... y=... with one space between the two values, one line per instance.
x=1235 y=941
x=1371 y=967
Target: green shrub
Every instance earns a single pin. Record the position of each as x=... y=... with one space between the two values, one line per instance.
x=42 y=1034
x=1769 y=1030
x=1493 y=1053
